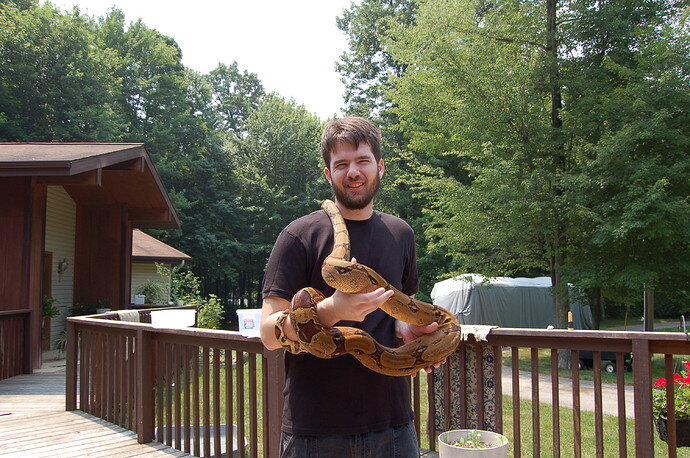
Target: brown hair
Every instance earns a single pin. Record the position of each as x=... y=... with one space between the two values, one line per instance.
x=353 y=130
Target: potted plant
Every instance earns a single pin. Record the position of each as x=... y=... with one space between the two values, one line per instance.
x=681 y=387
x=49 y=311
x=472 y=442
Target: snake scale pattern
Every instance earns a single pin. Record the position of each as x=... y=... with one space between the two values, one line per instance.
x=330 y=342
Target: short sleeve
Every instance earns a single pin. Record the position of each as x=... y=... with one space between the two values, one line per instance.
x=286 y=271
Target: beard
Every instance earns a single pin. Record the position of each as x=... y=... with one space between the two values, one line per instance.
x=359 y=200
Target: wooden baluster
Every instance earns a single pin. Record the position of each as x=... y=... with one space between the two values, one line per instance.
x=206 y=402
x=536 y=423
x=515 y=361
x=195 y=401
x=216 y=402
x=598 y=410
x=622 y=420
x=577 y=431
x=177 y=363
x=239 y=369
x=555 y=404
x=187 y=371
x=253 y=407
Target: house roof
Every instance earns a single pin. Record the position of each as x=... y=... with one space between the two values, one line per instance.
x=96 y=174
x=147 y=248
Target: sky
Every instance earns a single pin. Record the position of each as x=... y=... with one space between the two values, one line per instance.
x=291 y=45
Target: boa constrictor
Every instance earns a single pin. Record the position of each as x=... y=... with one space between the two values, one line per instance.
x=349 y=277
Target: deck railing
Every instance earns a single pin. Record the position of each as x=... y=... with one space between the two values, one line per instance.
x=14 y=342
x=183 y=387
x=175 y=386
x=519 y=357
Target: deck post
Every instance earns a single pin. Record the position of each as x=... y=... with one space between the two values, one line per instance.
x=642 y=377
x=274 y=381
x=72 y=350
x=144 y=386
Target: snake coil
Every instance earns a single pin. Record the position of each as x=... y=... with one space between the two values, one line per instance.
x=329 y=342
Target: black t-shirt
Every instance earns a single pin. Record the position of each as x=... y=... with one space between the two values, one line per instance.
x=340 y=395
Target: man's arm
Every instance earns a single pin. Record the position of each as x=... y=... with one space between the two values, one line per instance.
x=338 y=307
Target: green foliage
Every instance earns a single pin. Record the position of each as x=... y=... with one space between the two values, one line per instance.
x=83 y=309
x=367 y=67
x=209 y=313
x=184 y=285
x=537 y=150
x=152 y=290
x=49 y=309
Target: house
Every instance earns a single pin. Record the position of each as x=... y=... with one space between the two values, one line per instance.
x=66 y=220
x=148 y=251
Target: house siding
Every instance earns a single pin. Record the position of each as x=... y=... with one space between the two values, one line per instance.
x=145 y=271
x=61 y=214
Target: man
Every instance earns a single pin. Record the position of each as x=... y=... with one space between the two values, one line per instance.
x=337 y=407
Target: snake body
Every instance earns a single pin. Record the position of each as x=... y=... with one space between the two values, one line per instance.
x=330 y=342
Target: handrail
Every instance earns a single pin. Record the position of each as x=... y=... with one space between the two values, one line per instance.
x=18 y=312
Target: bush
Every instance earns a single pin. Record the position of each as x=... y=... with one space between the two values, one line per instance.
x=209 y=313
x=153 y=292
x=49 y=309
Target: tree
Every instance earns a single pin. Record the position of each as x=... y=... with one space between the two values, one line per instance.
x=529 y=100
x=279 y=166
x=235 y=95
x=367 y=67
x=628 y=107
x=55 y=85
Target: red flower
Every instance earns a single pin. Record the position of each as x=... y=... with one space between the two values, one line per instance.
x=687 y=365
x=660 y=382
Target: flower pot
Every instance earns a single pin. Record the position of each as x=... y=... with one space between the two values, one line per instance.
x=682 y=431
x=498 y=444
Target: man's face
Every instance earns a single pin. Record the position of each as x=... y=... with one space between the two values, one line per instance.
x=354 y=175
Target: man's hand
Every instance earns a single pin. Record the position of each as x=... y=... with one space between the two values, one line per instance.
x=409 y=332
x=351 y=307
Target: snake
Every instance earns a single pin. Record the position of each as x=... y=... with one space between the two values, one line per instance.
x=352 y=277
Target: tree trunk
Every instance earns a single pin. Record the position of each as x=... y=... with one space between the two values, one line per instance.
x=560 y=289
x=596 y=307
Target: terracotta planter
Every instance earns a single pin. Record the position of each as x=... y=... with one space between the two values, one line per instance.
x=682 y=431
x=499 y=444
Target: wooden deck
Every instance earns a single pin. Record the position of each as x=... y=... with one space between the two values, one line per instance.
x=33 y=422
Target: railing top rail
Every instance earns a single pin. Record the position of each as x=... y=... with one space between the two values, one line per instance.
x=615 y=341
x=588 y=334
x=201 y=337
x=18 y=312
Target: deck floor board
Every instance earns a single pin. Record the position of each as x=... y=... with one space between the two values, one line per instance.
x=33 y=422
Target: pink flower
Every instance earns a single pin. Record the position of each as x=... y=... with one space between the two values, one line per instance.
x=660 y=382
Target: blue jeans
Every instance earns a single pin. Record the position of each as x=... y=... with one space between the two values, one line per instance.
x=397 y=442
